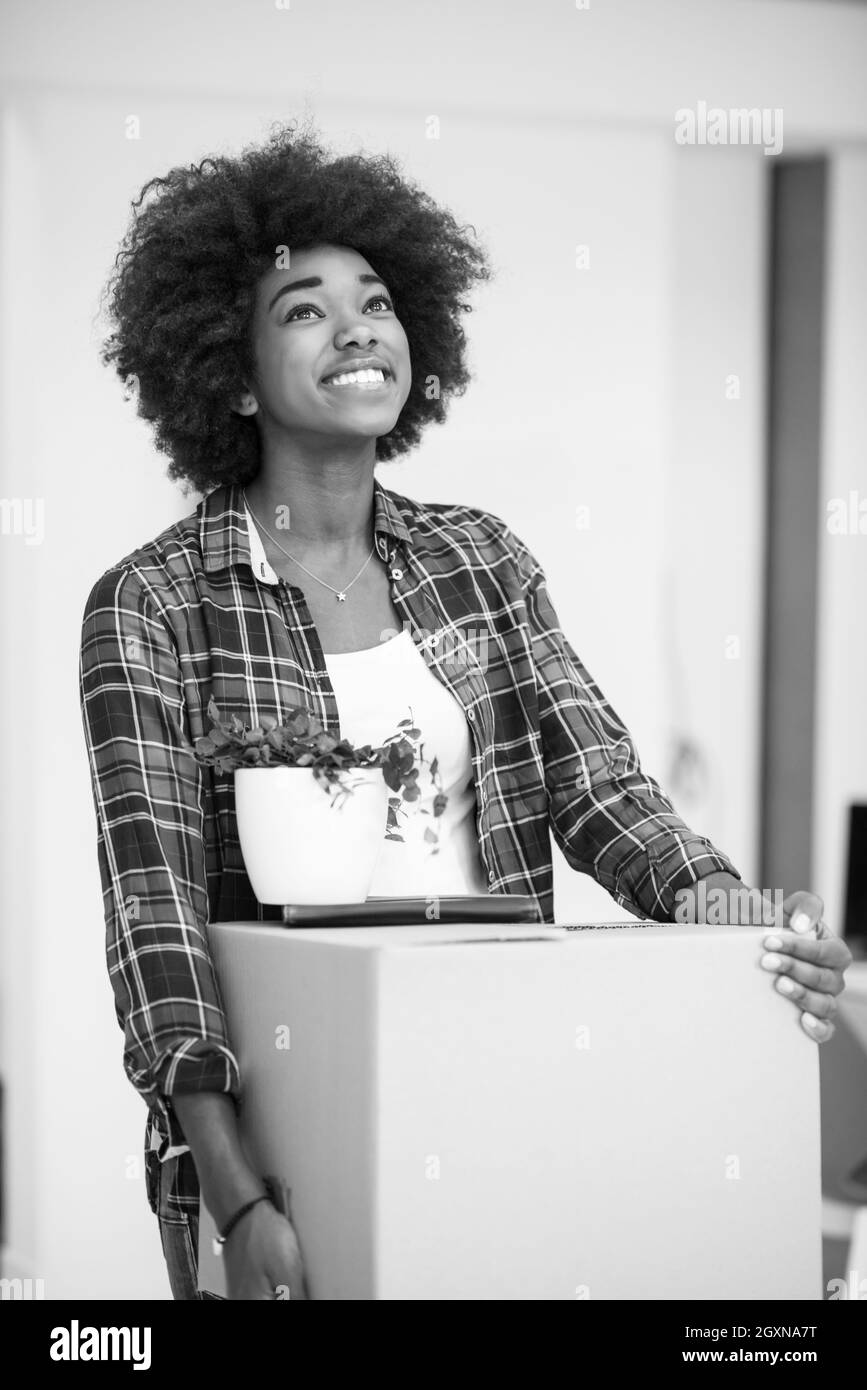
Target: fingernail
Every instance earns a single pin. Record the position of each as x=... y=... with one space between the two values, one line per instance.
x=800 y=922
x=771 y=962
x=813 y=1022
x=784 y=985
x=774 y=943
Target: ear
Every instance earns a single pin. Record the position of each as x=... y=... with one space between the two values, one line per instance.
x=245 y=404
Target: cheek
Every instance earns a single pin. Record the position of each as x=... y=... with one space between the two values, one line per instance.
x=291 y=383
x=403 y=347
x=402 y=355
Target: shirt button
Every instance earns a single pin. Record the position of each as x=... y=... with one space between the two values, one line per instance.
x=432 y=641
x=491 y=876
x=471 y=715
x=397 y=574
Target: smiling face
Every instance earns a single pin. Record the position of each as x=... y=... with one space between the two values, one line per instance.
x=332 y=358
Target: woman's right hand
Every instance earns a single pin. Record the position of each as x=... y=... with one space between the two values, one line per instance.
x=262 y=1257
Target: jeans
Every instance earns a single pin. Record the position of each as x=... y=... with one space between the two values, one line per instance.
x=179 y=1233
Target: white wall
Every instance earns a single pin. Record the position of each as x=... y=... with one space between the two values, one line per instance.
x=618 y=62
x=562 y=135
x=21 y=864
x=840 y=764
x=713 y=567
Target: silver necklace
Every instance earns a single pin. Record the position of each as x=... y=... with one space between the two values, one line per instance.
x=341 y=593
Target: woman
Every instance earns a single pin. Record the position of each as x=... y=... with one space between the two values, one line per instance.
x=289 y=319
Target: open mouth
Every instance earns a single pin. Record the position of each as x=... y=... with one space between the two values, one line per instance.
x=366 y=379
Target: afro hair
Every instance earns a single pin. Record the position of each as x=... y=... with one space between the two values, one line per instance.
x=181 y=296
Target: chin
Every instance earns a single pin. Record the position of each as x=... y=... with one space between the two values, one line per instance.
x=371 y=425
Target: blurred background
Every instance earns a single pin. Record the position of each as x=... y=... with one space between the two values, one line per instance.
x=668 y=407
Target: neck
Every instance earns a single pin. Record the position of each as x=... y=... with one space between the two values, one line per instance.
x=316 y=500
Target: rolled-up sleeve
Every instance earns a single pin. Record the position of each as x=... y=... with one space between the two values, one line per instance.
x=147 y=790
x=609 y=818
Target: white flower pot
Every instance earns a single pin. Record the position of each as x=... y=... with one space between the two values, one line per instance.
x=301 y=846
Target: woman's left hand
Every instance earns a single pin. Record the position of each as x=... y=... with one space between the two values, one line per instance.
x=809 y=962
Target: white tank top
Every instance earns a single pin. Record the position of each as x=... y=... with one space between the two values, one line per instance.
x=375 y=689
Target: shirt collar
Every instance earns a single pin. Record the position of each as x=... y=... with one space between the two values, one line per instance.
x=228 y=537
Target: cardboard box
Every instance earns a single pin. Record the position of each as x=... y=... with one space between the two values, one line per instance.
x=528 y=1112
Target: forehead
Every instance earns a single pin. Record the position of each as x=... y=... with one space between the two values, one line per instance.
x=327 y=258
x=336 y=266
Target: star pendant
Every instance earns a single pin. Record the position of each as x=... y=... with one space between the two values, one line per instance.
x=341 y=598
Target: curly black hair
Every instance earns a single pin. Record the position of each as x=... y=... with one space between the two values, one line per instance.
x=180 y=299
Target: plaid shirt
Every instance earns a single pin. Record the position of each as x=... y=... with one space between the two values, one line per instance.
x=197 y=613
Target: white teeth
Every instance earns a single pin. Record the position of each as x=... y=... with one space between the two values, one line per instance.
x=361 y=378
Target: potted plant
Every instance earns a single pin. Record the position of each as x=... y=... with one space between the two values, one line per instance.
x=311 y=829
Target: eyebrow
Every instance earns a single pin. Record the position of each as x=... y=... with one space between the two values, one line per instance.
x=312 y=281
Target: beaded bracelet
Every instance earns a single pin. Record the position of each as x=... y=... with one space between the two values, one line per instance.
x=232 y=1223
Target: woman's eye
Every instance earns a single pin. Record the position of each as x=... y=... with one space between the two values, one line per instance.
x=300 y=309
x=307 y=309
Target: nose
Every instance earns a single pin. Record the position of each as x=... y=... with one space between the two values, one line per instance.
x=358 y=331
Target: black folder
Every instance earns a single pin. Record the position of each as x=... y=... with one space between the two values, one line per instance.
x=400 y=912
